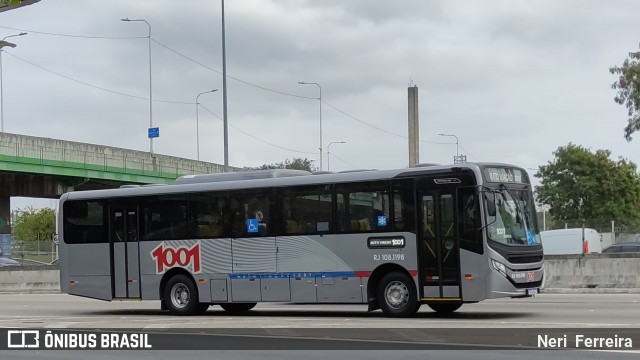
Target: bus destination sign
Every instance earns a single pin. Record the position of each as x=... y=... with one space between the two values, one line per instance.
x=503 y=175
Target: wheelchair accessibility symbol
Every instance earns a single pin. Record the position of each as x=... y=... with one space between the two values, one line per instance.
x=252 y=225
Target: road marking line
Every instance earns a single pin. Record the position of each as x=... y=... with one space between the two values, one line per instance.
x=279 y=331
x=417 y=335
x=157 y=326
x=60 y=325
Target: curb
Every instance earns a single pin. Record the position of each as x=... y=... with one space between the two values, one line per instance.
x=591 y=291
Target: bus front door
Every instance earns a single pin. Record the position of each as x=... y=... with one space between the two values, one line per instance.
x=125 y=263
x=439 y=248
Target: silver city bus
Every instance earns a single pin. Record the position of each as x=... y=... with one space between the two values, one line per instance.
x=393 y=239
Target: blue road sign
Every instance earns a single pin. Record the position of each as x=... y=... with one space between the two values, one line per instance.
x=154 y=132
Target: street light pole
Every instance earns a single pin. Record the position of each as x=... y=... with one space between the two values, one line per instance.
x=333 y=142
x=4 y=43
x=319 y=98
x=224 y=96
x=456 y=141
x=457 y=153
x=197 y=121
x=150 y=87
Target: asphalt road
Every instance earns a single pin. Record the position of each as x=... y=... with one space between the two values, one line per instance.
x=318 y=355
x=491 y=329
x=542 y=311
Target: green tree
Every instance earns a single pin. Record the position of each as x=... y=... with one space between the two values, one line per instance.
x=296 y=164
x=32 y=224
x=580 y=184
x=628 y=86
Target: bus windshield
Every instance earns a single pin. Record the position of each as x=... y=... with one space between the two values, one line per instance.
x=511 y=216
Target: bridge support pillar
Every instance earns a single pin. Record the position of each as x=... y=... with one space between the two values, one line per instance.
x=5 y=215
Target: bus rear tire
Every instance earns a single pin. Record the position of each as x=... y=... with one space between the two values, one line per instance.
x=397 y=295
x=445 y=308
x=181 y=296
x=237 y=308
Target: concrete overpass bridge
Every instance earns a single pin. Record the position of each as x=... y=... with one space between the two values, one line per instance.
x=46 y=168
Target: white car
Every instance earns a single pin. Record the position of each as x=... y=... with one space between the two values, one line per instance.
x=8 y=262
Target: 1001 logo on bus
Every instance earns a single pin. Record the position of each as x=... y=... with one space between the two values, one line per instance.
x=167 y=257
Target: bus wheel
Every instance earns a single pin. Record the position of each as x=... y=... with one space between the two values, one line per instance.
x=397 y=295
x=445 y=308
x=181 y=296
x=237 y=308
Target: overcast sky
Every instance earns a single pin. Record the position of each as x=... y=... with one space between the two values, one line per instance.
x=513 y=80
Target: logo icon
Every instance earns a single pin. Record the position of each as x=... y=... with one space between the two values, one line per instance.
x=23 y=339
x=382 y=221
x=168 y=257
x=253 y=226
x=530 y=276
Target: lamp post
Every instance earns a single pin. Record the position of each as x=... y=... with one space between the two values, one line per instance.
x=4 y=43
x=455 y=159
x=225 y=121
x=150 y=87
x=333 y=142
x=319 y=98
x=197 y=122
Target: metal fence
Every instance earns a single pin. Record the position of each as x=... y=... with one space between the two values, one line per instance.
x=37 y=251
x=602 y=226
x=611 y=231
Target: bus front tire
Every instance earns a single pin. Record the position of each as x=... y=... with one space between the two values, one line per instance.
x=237 y=308
x=181 y=296
x=445 y=308
x=397 y=295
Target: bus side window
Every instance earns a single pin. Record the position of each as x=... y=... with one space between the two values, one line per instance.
x=469 y=220
x=364 y=207
x=251 y=214
x=403 y=205
x=344 y=219
x=307 y=210
x=85 y=222
x=165 y=218
x=206 y=220
x=238 y=219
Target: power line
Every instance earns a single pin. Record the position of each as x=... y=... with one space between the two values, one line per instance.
x=143 y=98
x=205 y=66
x=294 y=95
x=363 y=122
x=75 y=80
x=378 y=128
x=344 y=161
x=232 y=77
x=281 y=92
x=256 y=138
x=94 y=86
x=75 y=36
x=468 y=153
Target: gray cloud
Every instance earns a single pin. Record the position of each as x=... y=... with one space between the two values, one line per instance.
x=512 y=79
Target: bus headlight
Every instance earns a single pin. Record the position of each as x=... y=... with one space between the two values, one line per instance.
x=500 y=267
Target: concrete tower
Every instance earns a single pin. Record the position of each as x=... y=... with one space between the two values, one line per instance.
x=414 y=130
